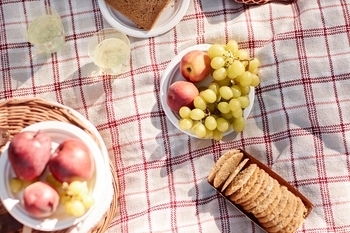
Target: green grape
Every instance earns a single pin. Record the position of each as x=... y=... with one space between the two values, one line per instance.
x=238 y=124
x=16 y=185
x=185 y=123
x=253 y=64
x=215 y=87
x=200 y=103
x=235 y=69
x=53 y=181
x=84 y=190
x=200 y=130
x=197 y=114
x=88 y=201
x=209 y=133
x=236 y=91
x=244 y=89
x=242 y=54
x=184 y=112
x=217 y=63
x=220 y=74
x=217 y=135
x=216 y=50
x=226 y=92
x=223 y=107
x=227 y=116
x=225 y=82
x=234 y=105
x=208 y=95
x=255 y=80
x=195 y=123
x=255 y=71
x=68 y=207
x=75 y=187
x=222 y=124
x=77 y=208
x=238 y=113
x=232 y=45
x=227 y=54
x=245 y=79
x=210 y=123
x=244 y=101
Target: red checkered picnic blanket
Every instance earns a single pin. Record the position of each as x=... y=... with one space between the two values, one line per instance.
x=299 y=125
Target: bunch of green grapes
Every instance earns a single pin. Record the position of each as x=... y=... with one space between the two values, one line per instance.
x=219 y=106
x=228 y=61
x=76 y=198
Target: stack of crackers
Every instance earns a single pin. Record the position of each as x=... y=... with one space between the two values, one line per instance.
x=256 y=192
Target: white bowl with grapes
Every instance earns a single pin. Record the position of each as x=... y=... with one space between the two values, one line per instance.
x=226 y=95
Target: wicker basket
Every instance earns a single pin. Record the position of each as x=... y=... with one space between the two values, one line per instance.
x=16 y=114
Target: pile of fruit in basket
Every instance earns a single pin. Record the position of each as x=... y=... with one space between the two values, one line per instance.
x=48 y=179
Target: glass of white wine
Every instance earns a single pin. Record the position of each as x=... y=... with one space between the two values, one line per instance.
x=109 y=49
x=45 y=29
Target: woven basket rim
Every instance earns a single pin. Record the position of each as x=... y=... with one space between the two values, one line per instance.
x=17 y=113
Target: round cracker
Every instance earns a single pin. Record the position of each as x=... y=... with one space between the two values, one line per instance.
x=241 y=178
x=234 y=174
x=289 y=221
x=268 y=199
x=219 y=163
x=255 y=189
x=297 y=219
x=279 y=207
x=273 y=205
x=285 y=215
x=263 y=186
x=226 y=169
x=246 y=187
x=256 y=201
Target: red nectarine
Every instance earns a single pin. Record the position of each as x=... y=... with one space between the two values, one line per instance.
x=195 y=66
x=40 y=200
x=29 y=153
x=181 y=93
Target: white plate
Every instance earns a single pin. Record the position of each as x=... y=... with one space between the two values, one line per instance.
x=172 y=74
x=171 y=16
x=58 y=131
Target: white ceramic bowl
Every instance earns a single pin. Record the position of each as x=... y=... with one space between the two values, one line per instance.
x=172 y=74
x=58 y=131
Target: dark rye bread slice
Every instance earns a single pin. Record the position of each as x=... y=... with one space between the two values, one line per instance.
x=144 y=13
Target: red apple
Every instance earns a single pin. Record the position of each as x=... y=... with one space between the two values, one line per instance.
x=181 y=93
x=195 y=65
x=71 y=161
x=29 y=153
x=40 y=200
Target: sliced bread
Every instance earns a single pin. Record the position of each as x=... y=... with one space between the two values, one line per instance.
x=144 y=13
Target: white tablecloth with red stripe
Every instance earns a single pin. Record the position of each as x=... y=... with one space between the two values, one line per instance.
x=299 y=125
